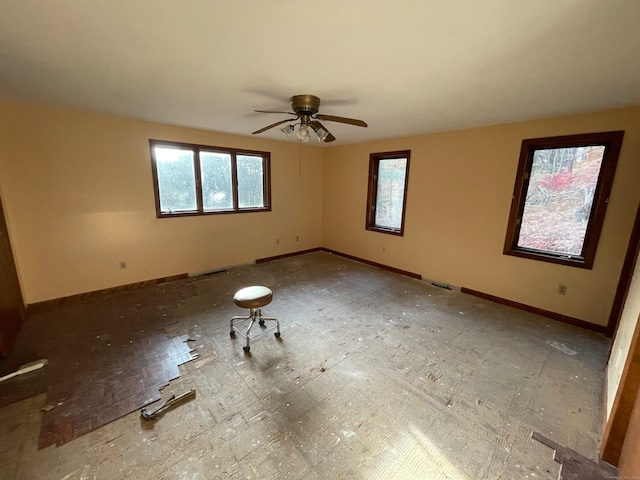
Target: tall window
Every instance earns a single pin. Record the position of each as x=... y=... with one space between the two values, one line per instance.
x=387 y=197
x=200 y=180
x=560 y=197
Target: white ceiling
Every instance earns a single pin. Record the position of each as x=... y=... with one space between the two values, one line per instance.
x=404 y=66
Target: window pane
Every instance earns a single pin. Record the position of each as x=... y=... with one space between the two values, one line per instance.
x=390 y=192
x=216 y=180
x=250 y=181
x=560 y=198
x=176 y=179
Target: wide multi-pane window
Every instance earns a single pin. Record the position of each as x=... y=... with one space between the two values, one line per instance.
x=561 y=194
x=199 y=180
x=387 y=196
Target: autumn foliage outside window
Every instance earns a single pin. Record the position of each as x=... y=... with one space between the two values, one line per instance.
x=560 y=198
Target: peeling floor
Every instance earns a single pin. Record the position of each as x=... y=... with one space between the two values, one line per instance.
x=376 y=376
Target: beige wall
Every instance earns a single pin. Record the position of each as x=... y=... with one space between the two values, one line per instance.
x=78 y=196
x=459 y=196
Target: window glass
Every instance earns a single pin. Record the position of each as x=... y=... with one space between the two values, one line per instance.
x=176 y=179
x=560 y=198
x=390 y=192
x=217 y=192
x=250 y=181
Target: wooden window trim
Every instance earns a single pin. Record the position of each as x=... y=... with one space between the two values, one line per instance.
x=612 y=142
x=374 y=163
x=233 y=152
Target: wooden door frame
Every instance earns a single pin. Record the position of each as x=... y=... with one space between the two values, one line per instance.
x=625 y=278
x=615 y=430
x=14 y=285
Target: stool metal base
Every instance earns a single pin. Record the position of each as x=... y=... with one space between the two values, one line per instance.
x=255 y=314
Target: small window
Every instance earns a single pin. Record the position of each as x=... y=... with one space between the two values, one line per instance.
x=387 y=197
x=560 y=197
x=201 y=180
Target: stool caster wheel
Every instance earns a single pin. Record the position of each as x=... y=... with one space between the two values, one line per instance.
x=277 y=334
x=246 y=349
x=232 y=334
x=261 y=322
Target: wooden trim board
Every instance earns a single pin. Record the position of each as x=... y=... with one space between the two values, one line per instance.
x=374 y=264
x=538 y=311
x=345 y=255
x=120 y=288
x=287 y=255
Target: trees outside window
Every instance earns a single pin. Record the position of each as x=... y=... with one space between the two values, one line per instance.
x=387 y=193
x=560 y=197
x=200 y=180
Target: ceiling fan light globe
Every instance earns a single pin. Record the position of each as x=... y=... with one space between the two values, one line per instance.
x=288 y=130
x=303 y=133
x=322 y=134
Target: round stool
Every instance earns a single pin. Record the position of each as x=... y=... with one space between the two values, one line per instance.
x=253 y=298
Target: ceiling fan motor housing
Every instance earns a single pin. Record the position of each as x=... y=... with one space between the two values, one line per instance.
x=305 y=104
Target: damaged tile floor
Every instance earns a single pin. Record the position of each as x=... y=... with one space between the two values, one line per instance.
x=376 y=376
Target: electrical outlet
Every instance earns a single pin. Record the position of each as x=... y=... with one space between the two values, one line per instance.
x=562 y=289
x=122 y=264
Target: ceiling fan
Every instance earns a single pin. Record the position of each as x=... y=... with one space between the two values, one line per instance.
x=305 y=108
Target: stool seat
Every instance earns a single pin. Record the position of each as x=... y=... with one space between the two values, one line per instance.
x=253 y=297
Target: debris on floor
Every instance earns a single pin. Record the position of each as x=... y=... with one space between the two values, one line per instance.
x=26 y=368
x=575 y=466
x=561 y=347
x=171 y=402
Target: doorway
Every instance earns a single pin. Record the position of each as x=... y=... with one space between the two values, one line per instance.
x=12 y=311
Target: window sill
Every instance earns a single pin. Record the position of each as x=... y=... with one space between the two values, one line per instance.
x=568 y=260
x=211 y=212
x=389 y=231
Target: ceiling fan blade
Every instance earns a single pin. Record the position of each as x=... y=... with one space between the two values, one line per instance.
x=317 y=125
x=274 y=125
x=273 y=111
x=330 y=138
x=350 y=121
